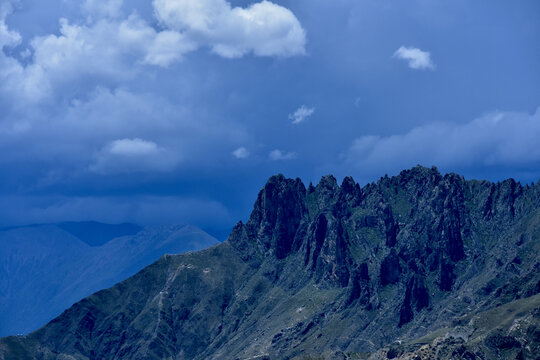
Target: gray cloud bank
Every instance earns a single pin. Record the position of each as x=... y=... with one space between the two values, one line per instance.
x=500 y=139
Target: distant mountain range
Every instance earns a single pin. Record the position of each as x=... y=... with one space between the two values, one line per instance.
x=417 y=266
x=44 y=269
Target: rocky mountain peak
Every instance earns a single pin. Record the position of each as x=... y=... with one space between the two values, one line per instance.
x=327 y=182
x=408 y=230
x=331 y=267
x=277 y=213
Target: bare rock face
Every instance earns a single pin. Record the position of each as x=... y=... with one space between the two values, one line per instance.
x=315 y=241
x=416 y=297
x=359 y=289
x=329 y=269
x=390 y=269
x=276 y=215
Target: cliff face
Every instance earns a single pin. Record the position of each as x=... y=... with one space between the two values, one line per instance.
x=325 y=269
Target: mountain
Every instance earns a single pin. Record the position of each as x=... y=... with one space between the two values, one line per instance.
x=46 y=268
x=95 y=233
x=420 y=265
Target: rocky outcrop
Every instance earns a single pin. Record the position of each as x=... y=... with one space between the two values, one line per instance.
x=390 y=269
x=510 y=332
x=416 y=298
x=277 y=214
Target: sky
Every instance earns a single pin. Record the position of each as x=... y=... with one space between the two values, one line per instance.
x=177 y=111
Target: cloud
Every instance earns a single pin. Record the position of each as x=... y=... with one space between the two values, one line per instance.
x=109 y=49
x=500 y=139
x=103 y=52
x=7 y=37
x=133 y=147
x=241 y=153
x=13 y=79
x=133 y=155
x=96 y=134
x=301 y=114
x=416 y=58
x=103 y=8
x=281 y=155
x=167 y=48
x=105 y=46
x=263 y=28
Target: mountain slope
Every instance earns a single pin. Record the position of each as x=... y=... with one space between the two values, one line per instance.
x=44 y=269
x=324 y=270
x=509 y=331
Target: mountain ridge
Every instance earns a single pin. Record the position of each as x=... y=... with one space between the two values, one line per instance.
x=44 y=268
x=327 y=268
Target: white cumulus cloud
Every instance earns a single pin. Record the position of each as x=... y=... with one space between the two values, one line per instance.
x=102 y=51
x=133 y=155
x=281 y=155
x=301 y=114
x=416 y=58
x=263 y=28
x=110 y=48
x=241 y=153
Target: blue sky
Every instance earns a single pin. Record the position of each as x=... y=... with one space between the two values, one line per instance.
x=178 y=110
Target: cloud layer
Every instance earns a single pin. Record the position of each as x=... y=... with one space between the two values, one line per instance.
x=142 y=209
x=83 y=107
x=70 y=98
x=501 y=139
x=101 y=99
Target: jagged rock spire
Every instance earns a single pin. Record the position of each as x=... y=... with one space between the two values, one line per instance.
x=277 y=213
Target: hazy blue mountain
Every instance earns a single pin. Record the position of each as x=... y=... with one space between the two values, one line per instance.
x=95 y=233
x=46 y=268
